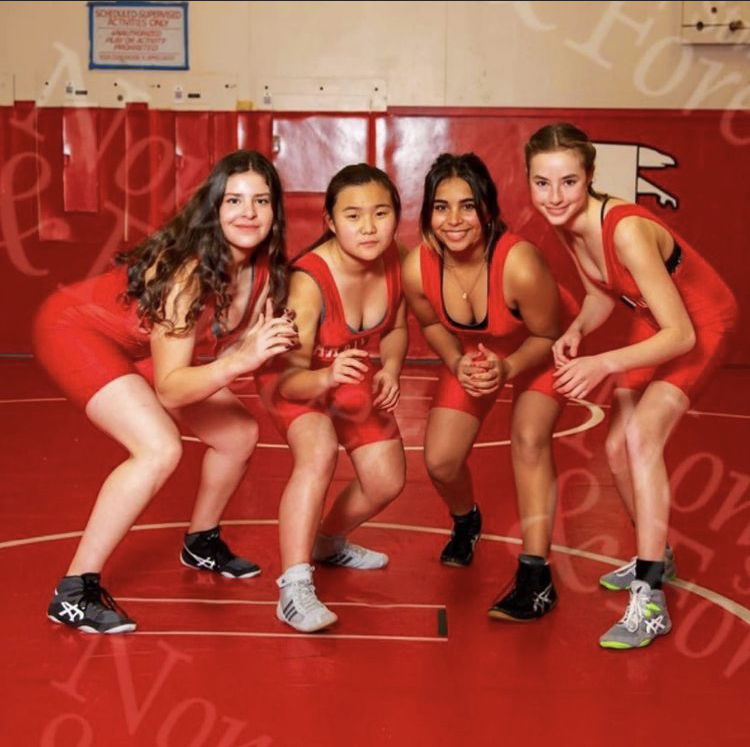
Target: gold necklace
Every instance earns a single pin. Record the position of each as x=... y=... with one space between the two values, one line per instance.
x=464 y=293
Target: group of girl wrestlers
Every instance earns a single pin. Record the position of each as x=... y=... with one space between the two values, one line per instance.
x=326 y=338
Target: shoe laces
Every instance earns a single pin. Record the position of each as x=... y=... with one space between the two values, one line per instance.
x=95 y=595
x=304 y=596
x=636 y=609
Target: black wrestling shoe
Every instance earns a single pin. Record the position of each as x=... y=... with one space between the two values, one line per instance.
x=466 y=530
x=207 y=551
x=80 y=602
x=532 y=595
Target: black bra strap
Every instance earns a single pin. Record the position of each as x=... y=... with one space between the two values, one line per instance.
x=673 y=262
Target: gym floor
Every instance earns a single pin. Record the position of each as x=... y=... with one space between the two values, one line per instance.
x=414 y=659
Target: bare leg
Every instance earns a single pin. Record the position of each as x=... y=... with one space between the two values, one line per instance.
x=126 y=409
x=314 y=445
x=660 y=408
x=381 y=472
x=532 y=594
x=534 y=417
x=624 y=403
x=231 y=433
x=449 y=437
x=646 y=433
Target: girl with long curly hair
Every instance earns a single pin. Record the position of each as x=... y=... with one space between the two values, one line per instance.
x=156 y=341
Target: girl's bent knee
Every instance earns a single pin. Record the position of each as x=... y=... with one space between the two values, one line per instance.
x=442 y=470
x=529 y=446
x=246 y=439
x=162 y=458
x=616 y=452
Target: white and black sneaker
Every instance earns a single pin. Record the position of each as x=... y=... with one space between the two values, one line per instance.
x=207 y=551
x=298 y=605
x=80 y=602
x=339 y=551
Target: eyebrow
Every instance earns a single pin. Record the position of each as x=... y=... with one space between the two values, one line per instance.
x=461 y=201
x=244 y=194
x=565 y=176
x=376 y=207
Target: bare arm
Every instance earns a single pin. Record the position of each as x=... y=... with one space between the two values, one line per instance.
x=530 y=287
x=637 y=248
x=393 y=347
x=394 y=343
x=299 y=381
x=469 y=368
x=442 y=341
x=595 y=310
x=178 y=382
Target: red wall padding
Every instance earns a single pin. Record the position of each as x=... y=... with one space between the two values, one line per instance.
x=77 y=185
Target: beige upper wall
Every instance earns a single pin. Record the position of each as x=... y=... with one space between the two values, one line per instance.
x=355 y=55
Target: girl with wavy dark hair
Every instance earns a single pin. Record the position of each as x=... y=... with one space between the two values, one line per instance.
x=681 y=317
x=346 y=293
x=129 y=347
x=488 y=306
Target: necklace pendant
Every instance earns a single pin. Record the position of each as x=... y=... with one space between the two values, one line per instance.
x=464 y=296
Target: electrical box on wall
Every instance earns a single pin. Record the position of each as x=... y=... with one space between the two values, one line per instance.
x=194 y=92
x=63 y=90
x=171 y=91
x=160 y=90
x=322 y=94
x=716 y=22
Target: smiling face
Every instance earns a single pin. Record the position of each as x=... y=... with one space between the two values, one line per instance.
x=363 y=220
x=456 y=222
x=245 y=213
x=558 y=184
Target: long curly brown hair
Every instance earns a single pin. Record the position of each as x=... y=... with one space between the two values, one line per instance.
x=192 y=247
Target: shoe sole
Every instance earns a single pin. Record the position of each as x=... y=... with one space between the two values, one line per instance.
x=126 y=628
x=622 y=646
x=497 y=615
x=611 y=587
x=504 y=616
x=251 y=574
x=459 y=564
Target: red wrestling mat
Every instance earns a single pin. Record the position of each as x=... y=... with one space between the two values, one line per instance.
x=413 y=659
